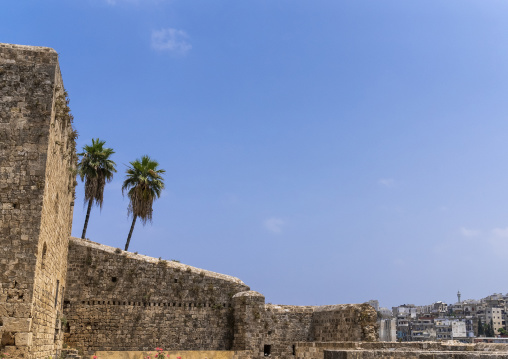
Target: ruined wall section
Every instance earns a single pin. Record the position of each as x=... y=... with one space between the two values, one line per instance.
x=281 y=331
x=345 y=322
x=28 y=83
x=285 y=325
x=117 y=300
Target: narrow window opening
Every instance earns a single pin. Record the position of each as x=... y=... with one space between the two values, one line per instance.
x=62 y=295
x=44 y=250
x=176 y=280
x=56 y=295
x=113 y=279
x=268 y=349
x=294 y=349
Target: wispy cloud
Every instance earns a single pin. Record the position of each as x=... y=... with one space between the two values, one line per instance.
x=172 y=40
x=386 y=182
x=492 y=242
x=500 y=232
x=469 y=232
x=274 y=225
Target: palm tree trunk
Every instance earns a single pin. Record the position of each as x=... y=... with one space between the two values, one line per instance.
x=87 y=218
x=130 y=233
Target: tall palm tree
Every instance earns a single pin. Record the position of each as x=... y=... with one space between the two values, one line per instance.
x=143 y=183
x=95 y=168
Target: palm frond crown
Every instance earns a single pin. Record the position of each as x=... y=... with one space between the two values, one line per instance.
x=143 y=184
x=96 y=168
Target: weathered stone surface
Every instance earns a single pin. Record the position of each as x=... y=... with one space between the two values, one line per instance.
x=186 y=354
x=117 y=300
x=23 y=339
x=411 y=350
x=12 y=324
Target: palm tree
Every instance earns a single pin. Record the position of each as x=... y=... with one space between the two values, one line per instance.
x=144 y=184
x=96 y=168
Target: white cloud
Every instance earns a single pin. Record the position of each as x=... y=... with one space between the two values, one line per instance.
x=469 y=232
x=485 y=244
x=172 y=40
x=274 y=225
x=386 y=182
x=500 y=232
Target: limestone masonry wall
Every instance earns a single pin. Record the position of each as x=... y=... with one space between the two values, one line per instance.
x=117 y=300
x=36 y=196
x=278 y=330
x=346 y=322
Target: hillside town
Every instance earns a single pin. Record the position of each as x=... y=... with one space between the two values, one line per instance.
x=467 y=321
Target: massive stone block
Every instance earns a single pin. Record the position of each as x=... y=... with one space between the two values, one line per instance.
x=37 y=152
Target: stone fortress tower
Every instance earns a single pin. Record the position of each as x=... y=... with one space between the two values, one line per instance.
x=36 y=199
x=56 y=289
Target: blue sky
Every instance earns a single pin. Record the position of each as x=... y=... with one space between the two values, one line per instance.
x=321 y=151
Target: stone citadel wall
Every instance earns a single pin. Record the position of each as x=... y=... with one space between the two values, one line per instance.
x=117 y=300
x=278 y=330
x=36 y=196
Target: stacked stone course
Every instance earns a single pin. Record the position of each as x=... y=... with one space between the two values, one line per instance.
x=283 y=328
x=117 y=300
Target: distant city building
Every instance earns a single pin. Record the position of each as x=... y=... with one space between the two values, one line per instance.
x=466 y=320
